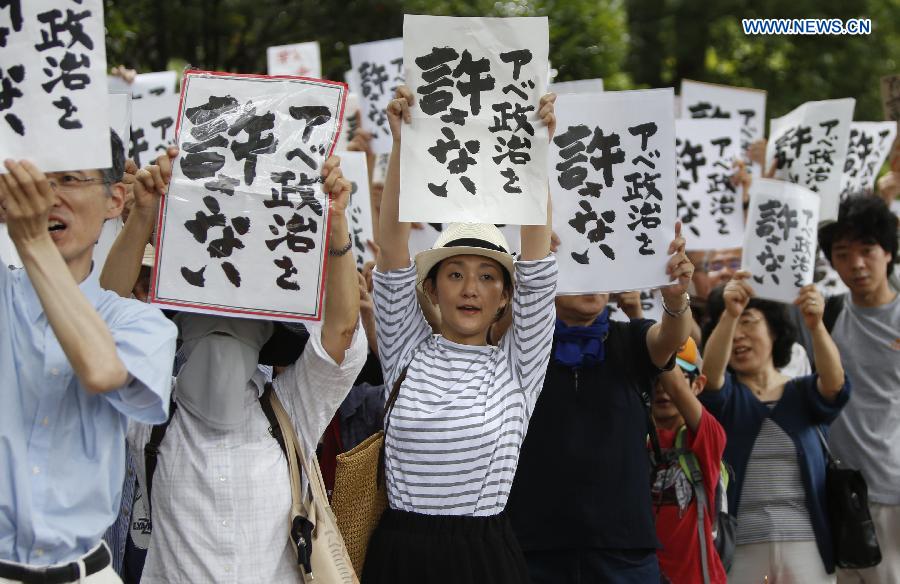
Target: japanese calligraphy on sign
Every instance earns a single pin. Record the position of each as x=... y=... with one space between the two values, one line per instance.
x=579 y=86
x=53 y=96
x=809 y=145
x=350 y=122
x=300 y=59
x=476 y=148
x=780 y=238
x=868 y=147
x=708 y=204
x=359 y=211
x=145 y=84
x=243 y=230
x=377 y=72
x=612 y=178
x=152 y=127
x=651 y=306
x=710 y=101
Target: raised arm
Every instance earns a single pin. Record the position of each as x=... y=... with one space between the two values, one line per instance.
x=736 y=296
x=341 y=284
x=536 y=238
x=665 y=337
x=393 y=236
x=828 y=358
x=84 y=337
x=682 y=395
x=123 y=264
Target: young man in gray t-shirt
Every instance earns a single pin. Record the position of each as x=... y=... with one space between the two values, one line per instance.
x=862 y=247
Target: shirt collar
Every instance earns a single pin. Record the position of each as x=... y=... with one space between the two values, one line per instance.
x=90 y=287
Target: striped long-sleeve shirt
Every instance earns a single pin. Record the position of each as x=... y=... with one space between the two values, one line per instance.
x=462 y=412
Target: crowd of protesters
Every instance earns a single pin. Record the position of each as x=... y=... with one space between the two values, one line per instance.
x=530 y=437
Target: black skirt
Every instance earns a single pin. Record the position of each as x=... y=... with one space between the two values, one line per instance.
x=433 y=549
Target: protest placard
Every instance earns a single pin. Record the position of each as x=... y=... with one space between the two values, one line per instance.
x=299 y=59
x=868 y=146
x=578 y=86
x=476 y=148
x=709 y=205
x=613 y=184
x=651 y=306
x=708 y=100
x=780 y=238
x=120 y=116
x=809 y=146
x=54 y=98
x=377 y=72
x=152 y=127
x=145 y=84
x=890 y=97
x=350 y=123
x=359 y=211
x=243 y=229
x=423 y=237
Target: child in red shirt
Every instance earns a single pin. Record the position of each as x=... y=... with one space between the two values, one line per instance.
x=675 y=405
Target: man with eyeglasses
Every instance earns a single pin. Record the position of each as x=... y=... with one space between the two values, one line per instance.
x=75 y=362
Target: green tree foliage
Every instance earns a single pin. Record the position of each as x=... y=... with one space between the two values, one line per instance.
x=629 y=43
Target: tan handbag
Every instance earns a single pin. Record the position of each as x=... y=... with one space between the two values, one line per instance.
x=312 y=520
x=360 y=495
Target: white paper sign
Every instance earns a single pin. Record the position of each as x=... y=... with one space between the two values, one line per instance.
x=424 y=238
x=145 y=84
x=54 y=108
x=377 y=72
x=152 y=127
x=579 y=86
x=810 y=145
x=868 y=147
x=612 y=179
x=651 y=305
x=359 y=211
x=708 y=100
x=301 y=59
x=476 y=149
x=350 y=122
x=243 y=228
x=780 y=240
x=709 y=205
x=120 y=116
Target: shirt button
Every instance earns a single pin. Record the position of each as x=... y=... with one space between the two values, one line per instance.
x=38 y=552
x=54 y=372
x=224 y=523
x=222 y=479
x=35 y=470
x=45 y=422
x=228 y=569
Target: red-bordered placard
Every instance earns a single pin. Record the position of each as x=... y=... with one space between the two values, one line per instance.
x=162 y=249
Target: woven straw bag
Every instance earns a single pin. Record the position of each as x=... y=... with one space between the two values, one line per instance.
x=359 y=498
x=360 y=495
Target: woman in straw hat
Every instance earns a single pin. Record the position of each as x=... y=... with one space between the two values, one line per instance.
x=462 y=410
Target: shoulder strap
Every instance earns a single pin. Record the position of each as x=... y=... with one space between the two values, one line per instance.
x=691 y=467
x=274 y=428
x=833 y=307
x=386 y=420
x=644 y=397
x=151 y=452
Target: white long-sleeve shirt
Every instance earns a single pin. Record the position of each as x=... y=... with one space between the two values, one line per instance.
x=221 y=499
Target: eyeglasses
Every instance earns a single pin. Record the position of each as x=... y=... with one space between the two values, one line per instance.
x=748 y=321
x=68 y=183
x=719 y=265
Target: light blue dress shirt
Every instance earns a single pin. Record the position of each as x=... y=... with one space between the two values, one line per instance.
x=62 y=450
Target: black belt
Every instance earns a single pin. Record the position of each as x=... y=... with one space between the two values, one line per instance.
x=93 y=563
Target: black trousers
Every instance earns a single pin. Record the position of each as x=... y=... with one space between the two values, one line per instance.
x=593 y=566
x=434 y=549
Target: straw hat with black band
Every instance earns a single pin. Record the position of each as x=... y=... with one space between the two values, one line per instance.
x=481 y=239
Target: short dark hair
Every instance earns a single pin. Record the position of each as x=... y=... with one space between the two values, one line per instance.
x=864 y=218
x=117 y=171
x=781 y=329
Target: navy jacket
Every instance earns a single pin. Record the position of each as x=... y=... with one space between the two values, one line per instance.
x=798 y=412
